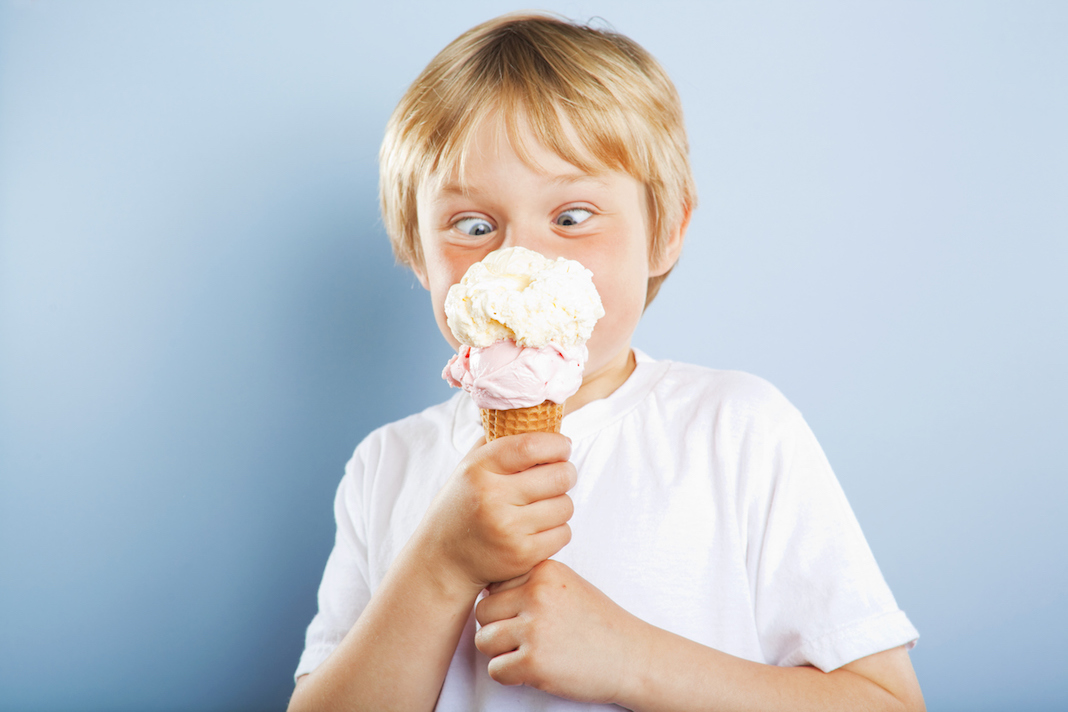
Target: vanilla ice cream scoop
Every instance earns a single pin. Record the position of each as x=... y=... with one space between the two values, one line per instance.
x=520 y=295
x=523 y=321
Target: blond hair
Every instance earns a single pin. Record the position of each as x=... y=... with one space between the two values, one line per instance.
x=556 y=79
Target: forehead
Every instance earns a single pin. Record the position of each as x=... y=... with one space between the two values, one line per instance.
x=555 y=151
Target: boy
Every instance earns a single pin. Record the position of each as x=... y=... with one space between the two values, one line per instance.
x=703 y=555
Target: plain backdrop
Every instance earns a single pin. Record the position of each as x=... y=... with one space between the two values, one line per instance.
x=200 y=316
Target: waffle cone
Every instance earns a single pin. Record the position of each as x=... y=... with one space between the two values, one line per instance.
x=542 y=418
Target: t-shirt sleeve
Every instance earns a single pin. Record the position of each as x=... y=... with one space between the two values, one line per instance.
x=345 y=589
x=819 y=596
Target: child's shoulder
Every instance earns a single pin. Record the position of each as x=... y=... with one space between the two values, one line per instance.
x=740 y=392
x=429 y=429
x=733 y=406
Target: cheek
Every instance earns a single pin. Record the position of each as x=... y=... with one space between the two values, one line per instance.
x=441 y=275
x=622 y=284
x=623 y=298
x=437 y=298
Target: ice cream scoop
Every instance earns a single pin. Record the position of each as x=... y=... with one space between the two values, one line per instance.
x=519 y=294
x=523 y=321
x=503 y=375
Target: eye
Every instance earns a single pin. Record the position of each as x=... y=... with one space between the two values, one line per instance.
x=572 y=217
x=474 y=226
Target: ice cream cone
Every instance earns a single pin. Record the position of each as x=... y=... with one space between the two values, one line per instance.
x=542 y=418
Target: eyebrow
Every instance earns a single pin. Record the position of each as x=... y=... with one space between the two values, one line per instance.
x=455 y=188
x=571 y=178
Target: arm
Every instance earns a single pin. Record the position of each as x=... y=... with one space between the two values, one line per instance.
x=504 y=509
x=553 y=630
x=680 y=674
x=387 y=660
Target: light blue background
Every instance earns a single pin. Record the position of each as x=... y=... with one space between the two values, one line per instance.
x=200 y=317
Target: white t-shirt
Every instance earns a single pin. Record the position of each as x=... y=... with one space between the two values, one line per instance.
x=704 y=506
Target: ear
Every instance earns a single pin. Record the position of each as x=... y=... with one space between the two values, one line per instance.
x=670 y=255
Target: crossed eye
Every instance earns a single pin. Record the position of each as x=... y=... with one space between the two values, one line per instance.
x=474 y=226
x=572 y=217
x=477 y=227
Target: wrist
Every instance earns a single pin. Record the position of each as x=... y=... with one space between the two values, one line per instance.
x=632 y=664
x=447 y=578
x=636 y=672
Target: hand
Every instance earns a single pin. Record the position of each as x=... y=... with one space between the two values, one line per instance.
x=552 y=630
x=504 y=508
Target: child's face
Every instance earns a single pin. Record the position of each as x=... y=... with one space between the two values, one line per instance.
x=600 y=220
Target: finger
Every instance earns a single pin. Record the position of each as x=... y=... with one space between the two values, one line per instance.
x=499 y=606
x=547 y=513
x=543 y=482
x=499 y=586
x=516 y=453
x=497 y=638
x=549 y=542
x=507 y=668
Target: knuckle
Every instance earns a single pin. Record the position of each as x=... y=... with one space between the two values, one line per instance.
x=546 y=577
x=561 y=478
x=495 y=527
x=572 y=474
x=534 y=674
x=568 y=507
x=565 y=535
x=523 y=448
x=497 y=671
x=482 y=519
x=481 y=639
x=526 y=550
x=549 y=568
x=550 y=546
x=541 y=595
x=471 y=466
x=508 y=564
x=474 y=490
x=484 y=484
x=505 y=672
x=480 y=616
x=464 y=467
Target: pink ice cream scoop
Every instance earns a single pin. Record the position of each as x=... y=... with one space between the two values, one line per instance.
x=502 y=375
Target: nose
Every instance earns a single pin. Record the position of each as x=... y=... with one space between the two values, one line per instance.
x=530 y=236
